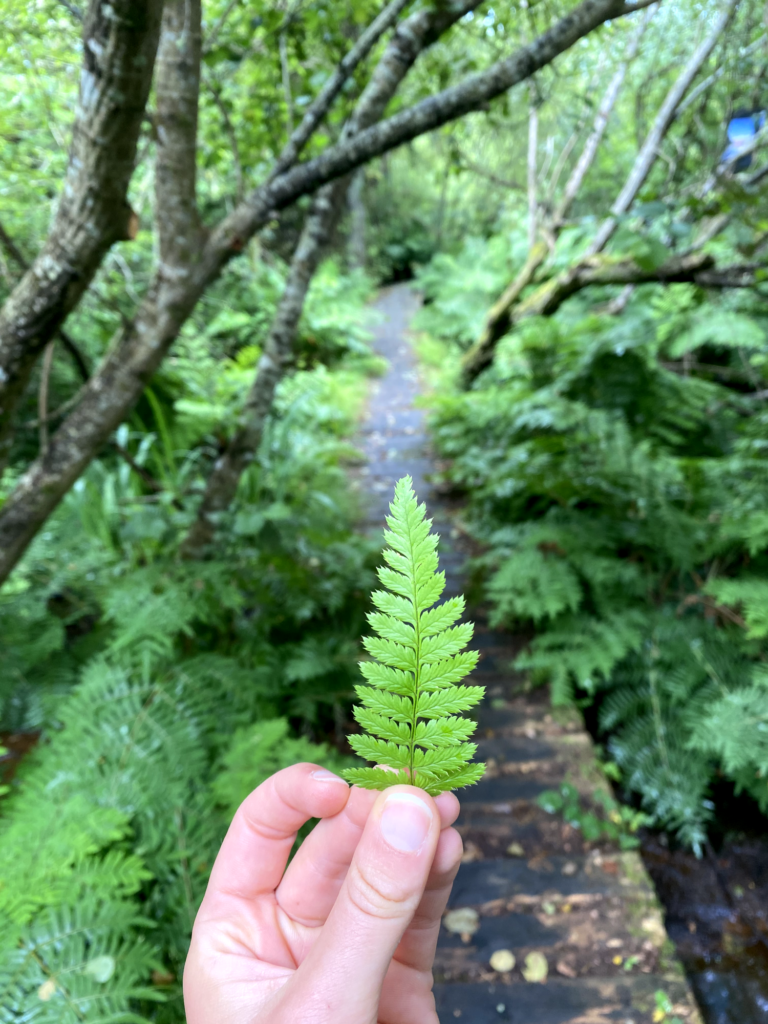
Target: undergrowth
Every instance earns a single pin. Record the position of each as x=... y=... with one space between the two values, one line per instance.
x=615 y=474
x=165 y=690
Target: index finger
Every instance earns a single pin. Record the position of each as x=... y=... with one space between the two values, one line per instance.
x=257 y=845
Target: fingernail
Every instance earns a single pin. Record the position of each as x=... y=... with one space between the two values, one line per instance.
x=405 y=821
x=323 y=775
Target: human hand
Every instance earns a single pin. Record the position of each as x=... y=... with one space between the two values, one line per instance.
x=345 y=935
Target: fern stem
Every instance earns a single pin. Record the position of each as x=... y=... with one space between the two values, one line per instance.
x=417 y=672
x=656 y=705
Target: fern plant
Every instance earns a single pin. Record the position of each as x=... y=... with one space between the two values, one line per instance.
x=411 y=705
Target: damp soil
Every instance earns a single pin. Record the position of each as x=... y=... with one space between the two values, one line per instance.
x=14 y=746
x=717 y=915
x=716 y=905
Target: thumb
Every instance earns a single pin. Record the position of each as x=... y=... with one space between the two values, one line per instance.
x=345 y=968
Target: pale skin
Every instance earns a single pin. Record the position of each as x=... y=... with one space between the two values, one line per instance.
x=346 y=934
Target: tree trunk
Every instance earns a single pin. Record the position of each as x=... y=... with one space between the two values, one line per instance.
x=533 y=143
x=120 y=43
x=356 y=253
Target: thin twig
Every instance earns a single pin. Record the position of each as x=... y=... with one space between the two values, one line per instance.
x=286 y=73
x=215 y=90
x=42 y=396
x=146 y=476
x=12 y=249
x=213 y=34
x=76 y=13
x=533 y=138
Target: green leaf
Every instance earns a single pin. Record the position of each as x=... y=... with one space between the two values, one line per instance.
x=410 y=707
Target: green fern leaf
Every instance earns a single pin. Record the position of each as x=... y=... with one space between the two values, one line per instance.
x=410 y=707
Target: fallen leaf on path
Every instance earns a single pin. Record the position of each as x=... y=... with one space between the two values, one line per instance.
x=503 y=960
x=566 y=969
x=464 y=922
x=536 y=967
x=471 y=852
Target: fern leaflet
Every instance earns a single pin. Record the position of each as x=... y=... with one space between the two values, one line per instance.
x=411 y=705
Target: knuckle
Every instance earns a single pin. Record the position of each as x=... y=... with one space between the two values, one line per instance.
x=378 y=897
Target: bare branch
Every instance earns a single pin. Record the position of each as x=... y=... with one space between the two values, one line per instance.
x=602 y=117
x=323 y=102
x=745 y=275
x=42 y=396
x=649 y=151
x=356 y=250
x=213 y=35
x=76 y=13
x=533 y=139
x=698 y=268
x=140 y=471
x=446 y=106
x=499 y=315
x=594 y=270
x=470 y=165
x=286 y=75
x=716 y=75
x=12 y=249
x=231 y=134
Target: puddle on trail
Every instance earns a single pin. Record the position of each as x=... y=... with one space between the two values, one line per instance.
x=717 y=916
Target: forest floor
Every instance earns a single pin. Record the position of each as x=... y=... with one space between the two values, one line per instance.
x=542 y=928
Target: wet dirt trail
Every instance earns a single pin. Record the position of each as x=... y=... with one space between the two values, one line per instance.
x=532 y=900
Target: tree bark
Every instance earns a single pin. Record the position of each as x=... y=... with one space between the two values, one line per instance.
x=591 y=146
x=141 y=345
x=120 y=42
x=181 y=236
x=533 y=143
x=697 y=267
x=356 y=255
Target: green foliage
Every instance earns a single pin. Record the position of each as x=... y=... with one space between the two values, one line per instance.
x=258 y=751
x=734 y=729
x=458 y=288
x=606 y=819
x=664 y=1009
x=166 y=690
x=125 y=773
x=615 y=474
x=409 y=709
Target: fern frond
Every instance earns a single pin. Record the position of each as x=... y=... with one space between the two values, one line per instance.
x=411 y=704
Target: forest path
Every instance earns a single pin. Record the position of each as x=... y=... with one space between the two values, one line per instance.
x=584 y=914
